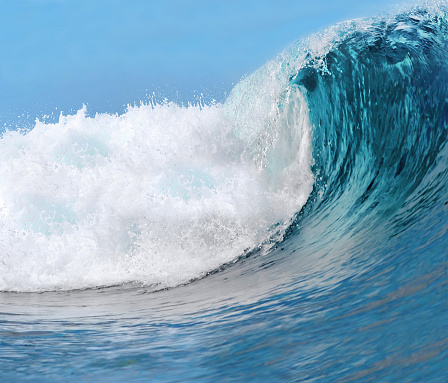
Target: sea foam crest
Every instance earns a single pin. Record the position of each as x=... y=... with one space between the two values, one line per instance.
x=161 y=194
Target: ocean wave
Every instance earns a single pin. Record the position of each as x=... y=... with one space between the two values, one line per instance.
x=346 y=130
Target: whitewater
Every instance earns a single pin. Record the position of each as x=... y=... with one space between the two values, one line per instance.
x=294 y=232
x=161 y=194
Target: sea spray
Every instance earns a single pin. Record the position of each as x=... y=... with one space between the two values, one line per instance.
x=160 y=195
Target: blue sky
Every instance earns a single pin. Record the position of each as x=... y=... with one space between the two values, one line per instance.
x=58 y=54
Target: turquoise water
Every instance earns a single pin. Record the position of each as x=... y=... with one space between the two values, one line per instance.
x=295 y=231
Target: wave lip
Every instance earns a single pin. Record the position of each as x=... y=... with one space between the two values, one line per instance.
x=378 y=99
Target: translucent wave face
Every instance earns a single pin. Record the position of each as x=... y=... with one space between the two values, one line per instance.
x=160 y=195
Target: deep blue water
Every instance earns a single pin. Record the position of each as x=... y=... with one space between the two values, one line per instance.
x=306 y=243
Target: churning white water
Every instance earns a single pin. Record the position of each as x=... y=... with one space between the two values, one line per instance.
x=161 y=194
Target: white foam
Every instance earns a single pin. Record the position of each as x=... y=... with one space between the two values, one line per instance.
x=161 y=194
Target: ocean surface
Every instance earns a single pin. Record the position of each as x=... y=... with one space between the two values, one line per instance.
x=295 y=232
